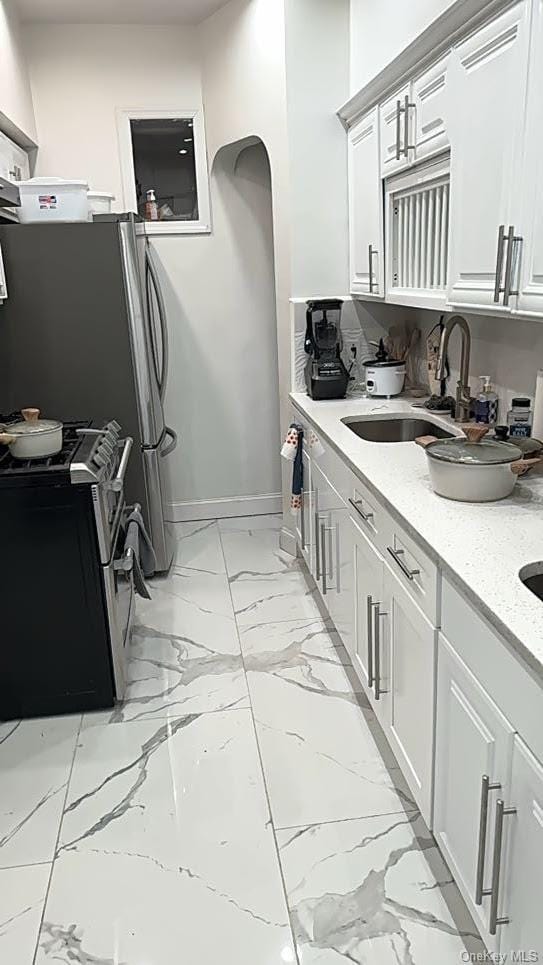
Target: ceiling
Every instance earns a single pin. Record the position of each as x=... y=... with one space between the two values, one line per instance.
x=117 y=11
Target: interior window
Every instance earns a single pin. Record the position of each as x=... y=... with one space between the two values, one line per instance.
x=165 y=169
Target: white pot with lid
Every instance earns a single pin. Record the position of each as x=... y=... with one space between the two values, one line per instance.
x=473 y=469
x=32 y=438
x=384 y=378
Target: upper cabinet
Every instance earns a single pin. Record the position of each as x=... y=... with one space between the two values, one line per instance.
x=14 y=163
x=366 y=209
x=428 y=98
x=396 y=126
x=457 y=201
x=530 y=231
x=486 y=90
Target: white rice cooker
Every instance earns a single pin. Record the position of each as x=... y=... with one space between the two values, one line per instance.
x=385 y=378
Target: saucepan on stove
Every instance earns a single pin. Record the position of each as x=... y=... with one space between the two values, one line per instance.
x=32 y=438
x=474 y=469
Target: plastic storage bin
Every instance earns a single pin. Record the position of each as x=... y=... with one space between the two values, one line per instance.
x=100 y=202
x=52 y=199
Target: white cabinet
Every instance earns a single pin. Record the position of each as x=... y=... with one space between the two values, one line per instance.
x=430 y=111
x=365 y=207
x=473 y=753
x=520 y=897
x=333 y=554
x=406 y=678
x=530 y=248
x=304 y=533
x=486 y=89
x=396 y=131
x=14 y=162
x=368 y=598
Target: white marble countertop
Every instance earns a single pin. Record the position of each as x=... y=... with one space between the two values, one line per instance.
x=480 y=546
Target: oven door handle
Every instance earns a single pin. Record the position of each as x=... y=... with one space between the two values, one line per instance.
x=116 y=484
x=126 y=562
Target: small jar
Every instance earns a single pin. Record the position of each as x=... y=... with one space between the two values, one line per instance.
x=520 y=418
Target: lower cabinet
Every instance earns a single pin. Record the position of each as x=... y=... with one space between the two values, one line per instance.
x=473 y=753
x=303 y=521
x=518 y=869
x=475 y=781
x=333 y=566
x=368 y=600
x=407 y=682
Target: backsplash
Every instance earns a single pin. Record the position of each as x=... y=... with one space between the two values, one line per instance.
x=509 y=350
x=359 y=325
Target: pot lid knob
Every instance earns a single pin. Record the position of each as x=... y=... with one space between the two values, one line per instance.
x=30 y=415
x=474 y=433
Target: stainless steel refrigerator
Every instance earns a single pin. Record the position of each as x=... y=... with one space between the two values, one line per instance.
x=83 y=336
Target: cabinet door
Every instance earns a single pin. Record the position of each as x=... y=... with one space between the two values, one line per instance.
x=396 y=132
x=411 y=645
x=342 y=601
x=14 y=163
x=530 y=298
x=368 y=597
x=429 y=106
x=473 y=741
x=325 y=502
x=303 y=522
x=365 y=207
x=520 y=885
x=486 y=88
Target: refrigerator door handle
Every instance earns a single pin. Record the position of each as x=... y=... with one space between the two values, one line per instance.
x=152 y=280
x=171 y=434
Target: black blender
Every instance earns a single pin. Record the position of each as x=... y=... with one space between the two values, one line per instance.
x=325 y=374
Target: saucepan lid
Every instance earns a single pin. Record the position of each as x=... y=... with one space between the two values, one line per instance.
x=32 y=424
x=487 y=452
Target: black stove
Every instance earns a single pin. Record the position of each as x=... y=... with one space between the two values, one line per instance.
x=58 y=464
x=67 y=573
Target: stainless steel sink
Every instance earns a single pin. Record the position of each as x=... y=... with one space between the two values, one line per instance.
x=532 y=577
x=398 y=429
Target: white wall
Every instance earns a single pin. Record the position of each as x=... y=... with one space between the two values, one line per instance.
x=317 y=52
x=218 y=287
x=225 y=400
x=80 y=75
x=380 y=29
x=16 y=110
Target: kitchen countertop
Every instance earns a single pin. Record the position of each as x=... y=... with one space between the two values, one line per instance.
x=480 y=546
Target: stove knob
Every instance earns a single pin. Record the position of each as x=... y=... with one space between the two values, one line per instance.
x=99 y=458
x=107 y=447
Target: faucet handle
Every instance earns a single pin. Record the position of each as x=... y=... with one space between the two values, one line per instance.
x=474 y=433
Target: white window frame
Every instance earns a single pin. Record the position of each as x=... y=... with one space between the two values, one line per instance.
x=124 y=116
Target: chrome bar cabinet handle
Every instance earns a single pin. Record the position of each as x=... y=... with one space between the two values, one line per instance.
x=323 y=558
x=302 y=521
x=511 y=264
x=406 y=145
x=356 y=504
x=317 y=549
x=373 y=286
x=398 y=129
x=502 y=238
x=397 y=557
x=369 y=612
x=377 y=647
x=486 y=786
x=494 y=890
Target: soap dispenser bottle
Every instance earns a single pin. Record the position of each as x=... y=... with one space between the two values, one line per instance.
x=486 y=403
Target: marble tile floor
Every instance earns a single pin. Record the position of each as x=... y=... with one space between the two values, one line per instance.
x=239 y=808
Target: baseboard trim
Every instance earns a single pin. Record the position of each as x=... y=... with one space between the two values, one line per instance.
x=231 y=506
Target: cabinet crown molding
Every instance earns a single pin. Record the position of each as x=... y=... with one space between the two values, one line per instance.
x=456 y=23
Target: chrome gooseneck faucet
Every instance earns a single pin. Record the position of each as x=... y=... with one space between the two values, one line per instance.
x=463 y=393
